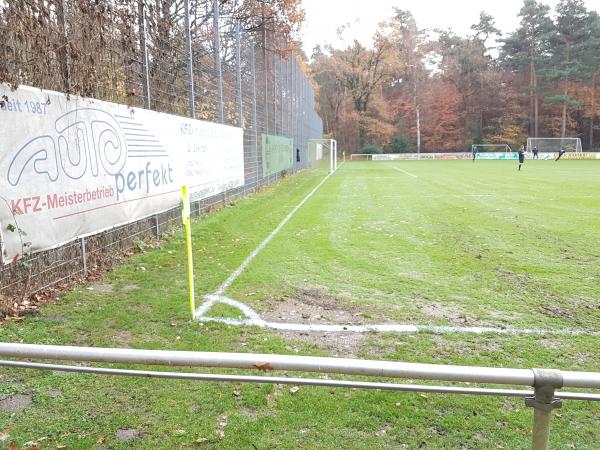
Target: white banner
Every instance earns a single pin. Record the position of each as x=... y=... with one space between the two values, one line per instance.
x=71 y=167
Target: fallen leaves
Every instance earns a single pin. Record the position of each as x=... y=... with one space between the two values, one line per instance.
x=294 y=389
x=265 y=367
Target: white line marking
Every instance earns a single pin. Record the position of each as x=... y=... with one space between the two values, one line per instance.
x=217 y=296
x=404 y=171
x=268 y=239
x=396 y=328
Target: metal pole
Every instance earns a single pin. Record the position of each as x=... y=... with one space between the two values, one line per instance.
x=392 y=369
x=331 y=156
x=238 y=59
x=545 y=383
x=295 y=103
x=218 y=73
x=281 y=87
x=157 y=226
x=266 y=75
x=254 y=113
x=84 y=256
x=335 y=155
x=291 y=380
x=190 y=66
x=144 y=48
x=63 y=55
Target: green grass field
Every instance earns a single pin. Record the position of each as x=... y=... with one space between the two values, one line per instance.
x=450 y=243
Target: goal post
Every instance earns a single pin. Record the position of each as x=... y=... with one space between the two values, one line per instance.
x=553 y=145
x=323 y=150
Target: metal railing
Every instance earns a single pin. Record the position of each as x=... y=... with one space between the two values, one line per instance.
x=543 y=398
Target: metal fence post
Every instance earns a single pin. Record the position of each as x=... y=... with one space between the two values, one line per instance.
x=238 y=59
x=157 y=226
x=266 y=75
x=84 y=256
x=254 y=113
x=274 y=66
x=144 y=49
x=218 y=73
x=545 y=383
x=62 y=52
x=281 y=87
x=190 y=66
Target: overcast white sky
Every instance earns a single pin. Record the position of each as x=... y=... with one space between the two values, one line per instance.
x=324 y=17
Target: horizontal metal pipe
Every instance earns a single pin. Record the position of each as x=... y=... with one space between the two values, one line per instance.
x=265 y=362
x=589 y=380
x=293 y=381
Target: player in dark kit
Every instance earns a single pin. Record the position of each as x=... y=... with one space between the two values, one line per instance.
x=521 y=156
x=535 y=153
x=474 y=152
x=561 y=152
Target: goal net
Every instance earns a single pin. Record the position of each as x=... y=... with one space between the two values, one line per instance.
x=551 y=145
x=323 y=150
x=493 y=148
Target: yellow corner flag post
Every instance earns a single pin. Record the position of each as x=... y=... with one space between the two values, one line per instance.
x=185 y=218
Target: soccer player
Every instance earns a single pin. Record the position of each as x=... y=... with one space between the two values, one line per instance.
x=474 y=152
x=535 y=153
x=521 y=156
x=561 y=152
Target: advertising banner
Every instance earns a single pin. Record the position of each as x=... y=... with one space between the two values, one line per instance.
x=71 y=167
x=277 y=154
x=498 y=155
x=580 y=155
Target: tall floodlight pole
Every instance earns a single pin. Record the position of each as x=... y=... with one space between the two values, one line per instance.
x=190 y=67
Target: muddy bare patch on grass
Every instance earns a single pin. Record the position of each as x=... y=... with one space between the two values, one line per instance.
x=101 y=287
x=557 y=311
x=127 y=434
x=15 y=403
x=122 y=338
x=129 y=288
x=313 y=304
x=344 y=344
x=450 y=312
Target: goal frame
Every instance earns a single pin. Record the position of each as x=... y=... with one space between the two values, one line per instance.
x=560 y=142
x=332 y=143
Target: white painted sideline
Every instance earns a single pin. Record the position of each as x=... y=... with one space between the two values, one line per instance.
x=252 y=318
x=392 y=328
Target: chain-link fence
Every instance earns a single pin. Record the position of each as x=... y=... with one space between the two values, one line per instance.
x=182 y=57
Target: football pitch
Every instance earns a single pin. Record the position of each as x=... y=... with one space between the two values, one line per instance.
x=444 y=262
x=455 y=244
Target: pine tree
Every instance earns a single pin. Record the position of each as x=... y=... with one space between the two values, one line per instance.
x=574 y=27
x=528 y=50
